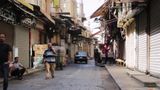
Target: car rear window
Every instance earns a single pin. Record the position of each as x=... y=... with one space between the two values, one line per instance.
x=82 y=53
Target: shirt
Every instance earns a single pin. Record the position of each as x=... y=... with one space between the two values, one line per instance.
x=49 y=55
x=17 y=65
x=4 y=52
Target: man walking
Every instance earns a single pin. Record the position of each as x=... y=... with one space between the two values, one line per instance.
x=5 y=60
x=49 y=61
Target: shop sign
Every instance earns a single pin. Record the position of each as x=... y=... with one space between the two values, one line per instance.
x=38 y=51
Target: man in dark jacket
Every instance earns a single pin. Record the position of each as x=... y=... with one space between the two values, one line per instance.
x=5 y=60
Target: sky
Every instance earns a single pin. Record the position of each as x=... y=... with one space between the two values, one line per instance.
x=90 y=6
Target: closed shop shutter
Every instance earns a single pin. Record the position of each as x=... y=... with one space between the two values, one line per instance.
x=142 y=42
x=155 y=38
x=130 y=46
x=22 y=43
x=155 y=51
x=43 y=38
x=34 y=36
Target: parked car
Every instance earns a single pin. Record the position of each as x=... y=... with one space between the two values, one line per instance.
x=81 y=56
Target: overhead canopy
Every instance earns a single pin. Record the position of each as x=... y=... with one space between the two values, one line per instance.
x=42 y=15
x=102 y=9
x=126 y=1
x=23 y=2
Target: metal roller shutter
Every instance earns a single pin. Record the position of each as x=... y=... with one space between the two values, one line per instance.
x=142 y=51
x=142 y=42
x=22 y=43
x=34 y=37
x=155 y=37
x=130 y=46
x=155 y=51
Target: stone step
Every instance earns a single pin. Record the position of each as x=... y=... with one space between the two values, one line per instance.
x=146 y=80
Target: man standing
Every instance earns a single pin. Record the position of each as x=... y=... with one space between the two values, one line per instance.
x=49 y=58
x=5 y=59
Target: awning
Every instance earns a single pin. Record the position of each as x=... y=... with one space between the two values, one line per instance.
x=23 y=2
x=102 y=9
x=14 y=12
x=126 y=1
x=42 y=15
x=48 y=17
x=74 y=31
x=23 y=7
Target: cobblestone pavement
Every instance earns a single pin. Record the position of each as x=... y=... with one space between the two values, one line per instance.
x=73 y=77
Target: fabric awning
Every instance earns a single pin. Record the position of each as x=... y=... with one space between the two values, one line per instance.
x=102 y=9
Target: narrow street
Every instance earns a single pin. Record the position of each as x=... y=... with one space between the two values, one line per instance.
x=73 y=77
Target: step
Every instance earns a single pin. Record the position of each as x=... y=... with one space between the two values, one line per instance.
x=146 y=80
x=132 y=72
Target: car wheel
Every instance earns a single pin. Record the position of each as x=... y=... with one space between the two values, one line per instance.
x=75 y=61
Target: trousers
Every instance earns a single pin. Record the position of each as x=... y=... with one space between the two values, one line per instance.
x=50 y=69
x=4 y=70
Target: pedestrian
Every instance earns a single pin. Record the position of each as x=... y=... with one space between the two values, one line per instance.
x=110 y=56
x=105 y=50
x=103 y=56
x=97 y=56
x=5 y=59
x=17 y=69
x=49 y=59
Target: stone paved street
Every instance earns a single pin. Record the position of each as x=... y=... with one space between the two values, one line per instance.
x=73 y=77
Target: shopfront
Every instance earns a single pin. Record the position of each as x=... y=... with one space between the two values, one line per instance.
x=21 y=44
x=154 y=65
x=142 y=42
x=130 y=44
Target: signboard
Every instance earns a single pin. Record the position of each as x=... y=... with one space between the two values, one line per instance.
x=56 y=3
x=39 y=50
